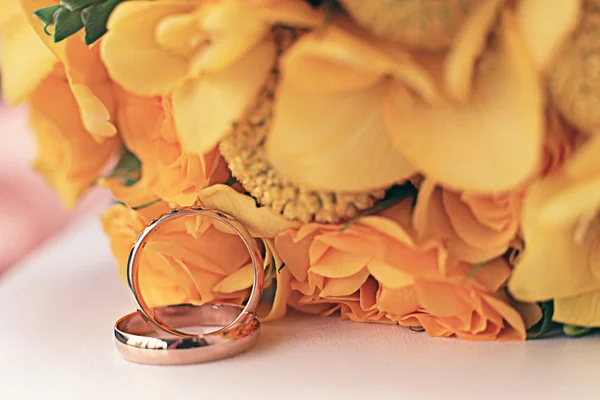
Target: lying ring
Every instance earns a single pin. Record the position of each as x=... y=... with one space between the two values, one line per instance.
x=133 y=266
x=137 y=341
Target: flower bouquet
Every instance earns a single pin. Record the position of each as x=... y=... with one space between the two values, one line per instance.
x=430 y=163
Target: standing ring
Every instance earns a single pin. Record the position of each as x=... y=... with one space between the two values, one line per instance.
x=133 y=267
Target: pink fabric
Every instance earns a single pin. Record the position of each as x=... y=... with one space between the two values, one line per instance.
x=30 y=211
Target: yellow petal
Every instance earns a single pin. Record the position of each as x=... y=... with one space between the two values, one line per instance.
x=295 y=13
x=130 y=51
x=566 y=200
x=29 y=7
x=341 y=60
x=554 y=264
x=91 y=87
x=564 y=197
x=531 y=313
x=206 y=108
x=22 y=71
x=398 y=302
x=95 y=115
x=471 y=229
x=334 y=142
x=468 y=45
x=339 y=264
x=582 y=310
x=388 y=275
x=347 y=62
x=585 y=162
x=344 y=286
x=179 y=33
x=68 y=156
x=134 y=196
x=545 y=29
x=510 y=315
x=261 y=221
x=279 y=307
x=490 y=144
x=233 y=29
x=241 y=279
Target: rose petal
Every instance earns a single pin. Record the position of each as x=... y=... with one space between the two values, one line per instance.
x=31 y=6
x=22 y=71
x=261 y=221
x=131 y=43
x=388 y=275
x=551 y=252
x=468 y=45
x=581 y=310
x=338 y=264
x=334 y=142
x=499 y=131
x=206 y=108
x=344 y=286
x=545 y=29
x=241 y=279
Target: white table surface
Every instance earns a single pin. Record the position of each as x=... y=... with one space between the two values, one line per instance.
x=58 y=307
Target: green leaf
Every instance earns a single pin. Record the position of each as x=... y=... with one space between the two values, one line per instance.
x=231 y=181
x=474 y=271
x=146 y=205
x=546 y=325
x=393 y=196
x=576 y=331
x=67 y=23
x=141 y=206
x=74 y=5
x=328 y=7
x=272 y=270
x=128 y=169
x=46 y=15
x=95 y=18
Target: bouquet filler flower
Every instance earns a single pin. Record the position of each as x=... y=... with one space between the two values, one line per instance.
x=430 y=163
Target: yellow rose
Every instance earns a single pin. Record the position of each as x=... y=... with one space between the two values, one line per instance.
x=375 y=271
x=86 y=75
x=561 y=228
x=328 y=130
x=68 y=157
x=188 y=261
x=494 y=103
x=24 y=59
x=211 y=56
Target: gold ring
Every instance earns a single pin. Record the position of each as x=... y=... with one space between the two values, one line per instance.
x=136 y=339
x=133 y=266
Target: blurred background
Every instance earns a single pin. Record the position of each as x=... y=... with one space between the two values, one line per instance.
x=30 y=212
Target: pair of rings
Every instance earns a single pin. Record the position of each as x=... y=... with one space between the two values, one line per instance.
x=154 y=335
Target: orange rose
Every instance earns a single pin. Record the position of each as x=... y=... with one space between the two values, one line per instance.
x=475 y=227
x=187 y=261
x=68 y=156
x=375 y=271
x=84 y=71
x=147 y=129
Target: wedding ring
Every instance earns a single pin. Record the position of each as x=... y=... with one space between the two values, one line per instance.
x=133 y=267
x=136 y=339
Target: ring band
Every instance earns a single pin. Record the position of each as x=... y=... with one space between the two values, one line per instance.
x=136 y=339
x=133 y=266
